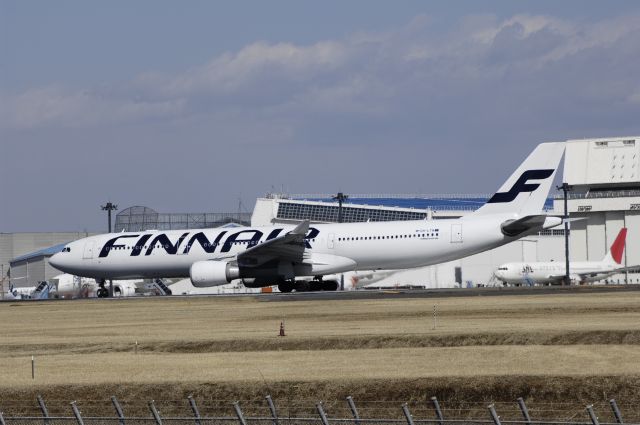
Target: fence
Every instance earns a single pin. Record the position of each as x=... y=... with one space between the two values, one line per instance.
x=276 y=418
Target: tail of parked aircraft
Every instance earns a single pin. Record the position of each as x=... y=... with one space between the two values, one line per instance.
x=526 y=191
x=614 y=255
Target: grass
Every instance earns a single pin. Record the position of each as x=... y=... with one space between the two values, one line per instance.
x=484 y=348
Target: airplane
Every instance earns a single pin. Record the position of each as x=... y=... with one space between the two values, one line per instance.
x=264 y=256
x=18 y=293
x=554 y=272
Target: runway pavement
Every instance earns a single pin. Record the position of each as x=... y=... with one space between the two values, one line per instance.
x=443 y=293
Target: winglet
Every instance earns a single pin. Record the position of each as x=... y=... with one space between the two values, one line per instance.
x=617 y=248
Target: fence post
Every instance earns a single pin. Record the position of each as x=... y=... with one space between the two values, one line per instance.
x=119 y=412
x=76 y=413
x=616 y=411
x=236 y=406
x=524 y=410
x=494 y=414
x=323 y=415
x=2 y=419
x=354 y=411
x=592 y=415
x=194 y=409
x=155 y=413
x=436 y=406
x=43 y=408
x=407 y=414
x=272 y=409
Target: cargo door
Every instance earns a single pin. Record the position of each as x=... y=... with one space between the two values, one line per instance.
x=456 y=233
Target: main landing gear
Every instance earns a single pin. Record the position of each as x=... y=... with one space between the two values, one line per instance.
x=102 y=291
x=308 y=285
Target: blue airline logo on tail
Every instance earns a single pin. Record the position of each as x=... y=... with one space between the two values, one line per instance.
x=521 y=186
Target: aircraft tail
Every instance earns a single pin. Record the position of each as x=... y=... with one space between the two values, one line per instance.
x=526 y=191
x=614 y=255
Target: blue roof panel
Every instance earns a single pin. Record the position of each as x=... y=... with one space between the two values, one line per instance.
x=42 y=252
x=449 y=204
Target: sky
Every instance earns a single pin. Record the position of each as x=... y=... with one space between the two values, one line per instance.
x=193 y=106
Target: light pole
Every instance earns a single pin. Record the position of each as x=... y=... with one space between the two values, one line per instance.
x=108 y=208
x=566 y=188
x=341 y=197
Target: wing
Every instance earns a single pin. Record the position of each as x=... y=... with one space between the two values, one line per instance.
x=288 y=247
x=624 y=269
x=595 y=275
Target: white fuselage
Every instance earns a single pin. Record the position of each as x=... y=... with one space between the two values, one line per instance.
x=333 y=248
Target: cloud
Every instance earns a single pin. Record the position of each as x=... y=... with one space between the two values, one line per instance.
x=57 y=107
x=515 y=72
x=386 y=111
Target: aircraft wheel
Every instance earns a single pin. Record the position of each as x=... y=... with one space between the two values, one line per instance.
x=316 y=285
x=302 y=286
x=330 y=285
x=103 y=293
x=285 y=286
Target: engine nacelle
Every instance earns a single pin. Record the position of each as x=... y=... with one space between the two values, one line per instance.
x=575 y=279
x=212 y=273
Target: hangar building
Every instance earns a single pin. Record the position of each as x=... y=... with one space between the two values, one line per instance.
x=604 y=175
x=17 y=245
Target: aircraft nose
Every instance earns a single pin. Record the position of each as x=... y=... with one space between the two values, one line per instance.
x=54 y=259
x=57 y=261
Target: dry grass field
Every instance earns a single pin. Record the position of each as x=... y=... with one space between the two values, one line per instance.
x=562 y=348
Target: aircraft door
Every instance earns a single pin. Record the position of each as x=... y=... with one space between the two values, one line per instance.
x=456 y=233
x=330 y=241
x=89 y=247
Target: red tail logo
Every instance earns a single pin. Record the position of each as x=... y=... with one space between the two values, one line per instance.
x=618 y=246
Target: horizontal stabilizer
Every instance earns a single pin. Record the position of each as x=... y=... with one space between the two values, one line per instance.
x=529 y=224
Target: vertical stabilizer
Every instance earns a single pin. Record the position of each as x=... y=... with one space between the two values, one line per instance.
x=617 y=248
x=526 y=191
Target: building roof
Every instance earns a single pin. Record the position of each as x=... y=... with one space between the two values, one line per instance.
x=45 y=252
x=451 y=202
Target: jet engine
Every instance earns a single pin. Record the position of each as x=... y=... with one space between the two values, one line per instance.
x=575 y=279
x=212 y=273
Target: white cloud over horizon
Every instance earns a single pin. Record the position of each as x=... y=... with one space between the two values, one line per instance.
x=367 y=75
